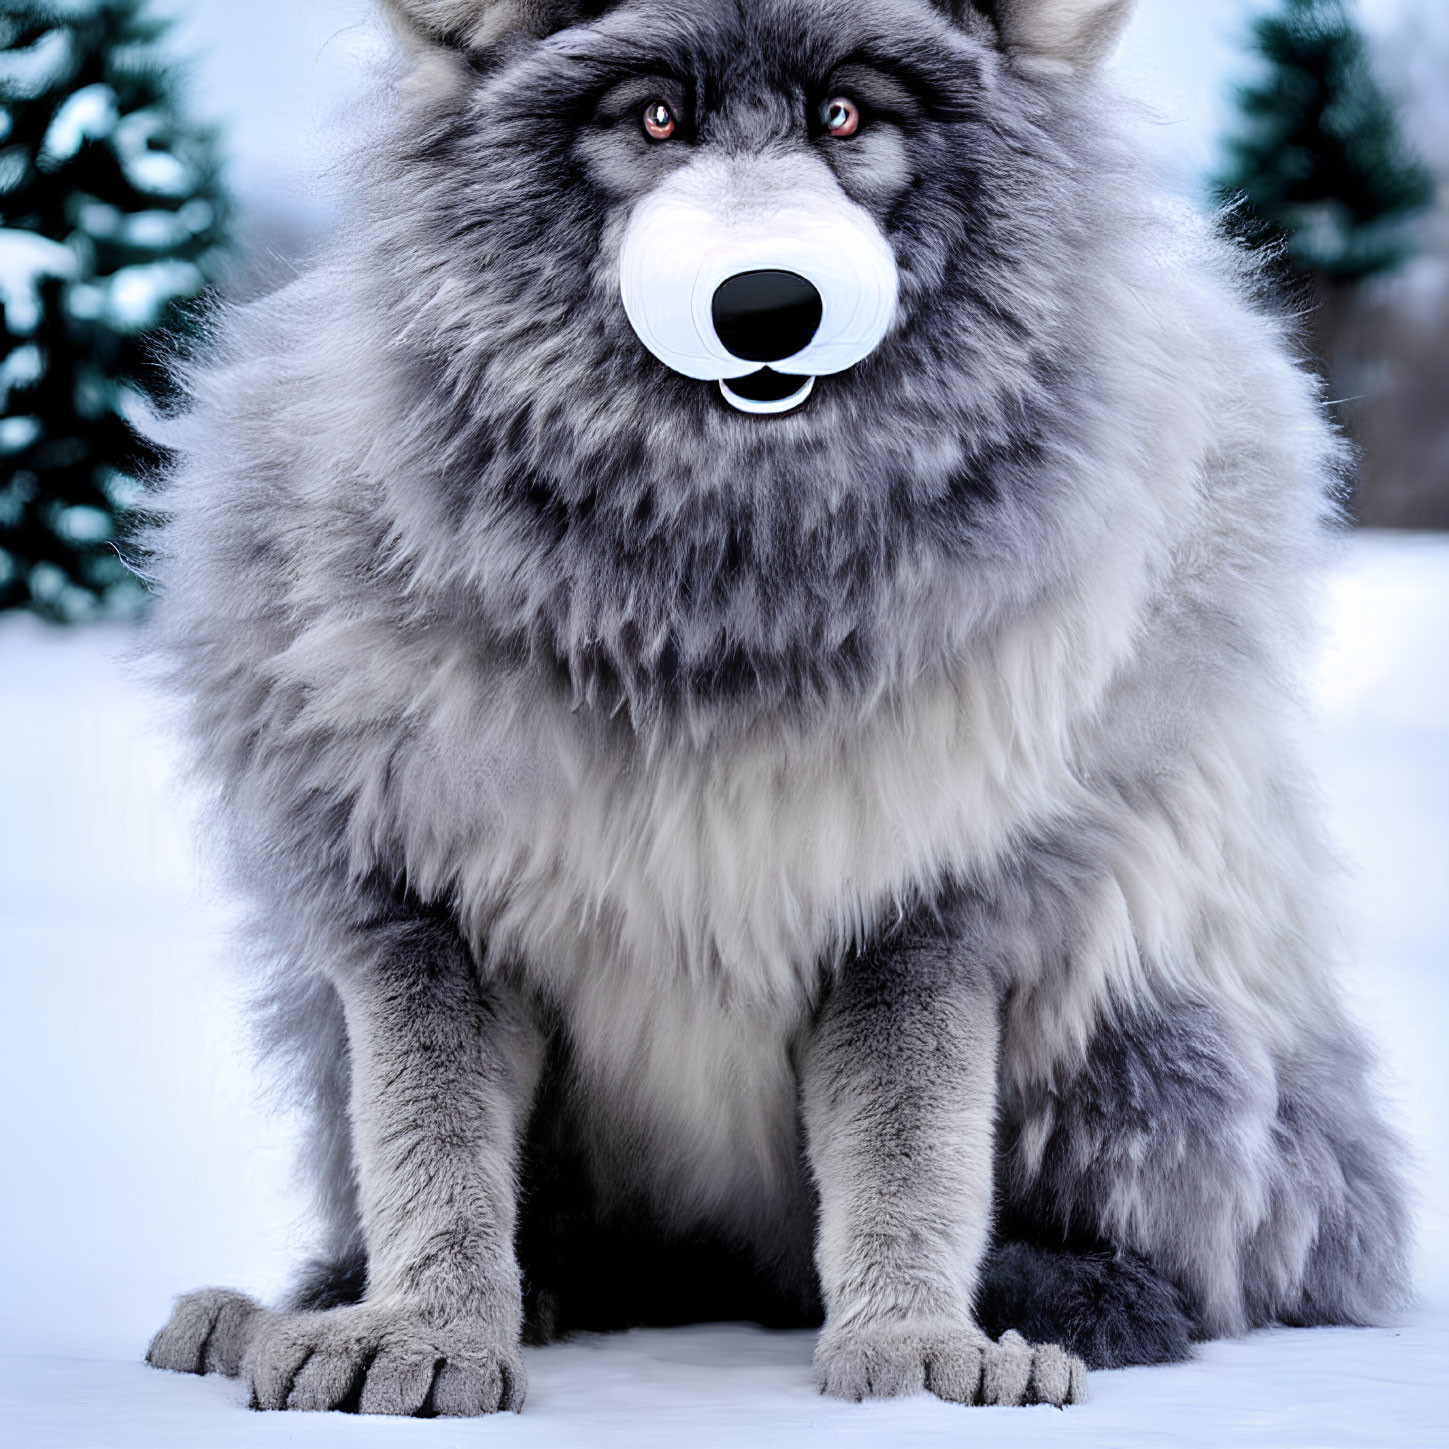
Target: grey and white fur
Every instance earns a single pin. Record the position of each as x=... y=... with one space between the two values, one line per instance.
x=847 y=867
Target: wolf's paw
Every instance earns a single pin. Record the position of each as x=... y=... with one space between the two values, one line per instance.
x=207 y=1333
x=369 y=1359
x=962 y=1365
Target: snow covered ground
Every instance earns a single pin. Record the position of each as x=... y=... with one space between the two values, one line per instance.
x=139 y=1161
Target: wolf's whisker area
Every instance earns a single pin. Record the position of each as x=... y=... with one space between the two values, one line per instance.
x=739 y=627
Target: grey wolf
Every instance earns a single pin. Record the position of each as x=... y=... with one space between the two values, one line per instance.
x=741 y=629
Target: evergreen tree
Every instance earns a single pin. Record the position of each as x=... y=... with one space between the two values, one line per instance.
x=111 y=223
x=1318 y=164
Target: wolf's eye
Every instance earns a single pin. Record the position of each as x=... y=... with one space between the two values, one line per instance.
x=659 y=122
x=841 y=117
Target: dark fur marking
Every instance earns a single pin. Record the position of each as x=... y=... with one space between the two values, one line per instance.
x=1106 y=1306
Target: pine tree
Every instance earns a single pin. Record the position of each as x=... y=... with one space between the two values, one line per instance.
x=1319 y=164
x=112 y=221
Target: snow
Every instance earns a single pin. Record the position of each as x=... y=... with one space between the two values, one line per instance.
x=27 y=258
x=17 y=434
x=151 y=230
x=138 y=143
x=159 y=231
x=707 y=1388
x=132 y=299
x=85 y=116
x=22 y=367
x=139 y=1160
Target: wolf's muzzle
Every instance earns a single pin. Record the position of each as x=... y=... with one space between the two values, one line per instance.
x=716 y=283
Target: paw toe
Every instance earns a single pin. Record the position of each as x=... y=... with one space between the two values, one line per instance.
x=328 y=1379
x=842 y=1372
x=470 y=1386
x=895 y=1375
x=954 y=1370
x=1006 y=1375
x=206 y=1333
x=236 y=1320
x=273 y=1364
x=398 y=1382
x=871 y=1364
x=839 y=1378
x=1057 y=1377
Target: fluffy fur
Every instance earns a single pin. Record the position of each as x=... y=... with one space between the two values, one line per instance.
x=851 y=865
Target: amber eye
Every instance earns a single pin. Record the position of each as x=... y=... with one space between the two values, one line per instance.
x=842 y=117
x=659 y=122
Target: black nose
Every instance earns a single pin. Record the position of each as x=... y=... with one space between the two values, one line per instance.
x=766 y=316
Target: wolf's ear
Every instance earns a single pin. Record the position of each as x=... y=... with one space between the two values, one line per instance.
x=475 y=24
x=1075 y=32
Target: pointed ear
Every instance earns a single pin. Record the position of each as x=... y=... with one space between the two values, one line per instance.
x=476 y=24
x=1078 y=33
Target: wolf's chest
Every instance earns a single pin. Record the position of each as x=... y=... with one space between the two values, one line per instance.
x=740 y=867
x=569 y=847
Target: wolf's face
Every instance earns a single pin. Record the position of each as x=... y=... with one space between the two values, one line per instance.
x=745 y=325
x=749 y=195
x=761 y=164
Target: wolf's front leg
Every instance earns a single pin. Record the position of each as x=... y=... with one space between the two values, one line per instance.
x=898 y=1085
x=442 y=1072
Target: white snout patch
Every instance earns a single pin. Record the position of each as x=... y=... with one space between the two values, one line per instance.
x=681 y=244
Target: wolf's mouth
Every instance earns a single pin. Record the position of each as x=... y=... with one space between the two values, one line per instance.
x=766 y=391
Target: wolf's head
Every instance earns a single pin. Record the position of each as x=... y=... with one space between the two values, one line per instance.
x=748 y=337
x=767 y=169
